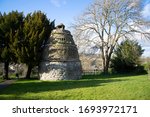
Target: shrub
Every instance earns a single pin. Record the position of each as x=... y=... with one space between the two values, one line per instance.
x=126 y=57
x=147 y=67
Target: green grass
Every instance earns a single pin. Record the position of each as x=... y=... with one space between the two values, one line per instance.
x=109 y=87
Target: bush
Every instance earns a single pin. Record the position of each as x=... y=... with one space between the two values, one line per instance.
x=140 y=70
x=147 y=67
x=126 y=57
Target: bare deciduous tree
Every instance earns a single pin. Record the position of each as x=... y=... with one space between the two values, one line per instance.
x=105 y=22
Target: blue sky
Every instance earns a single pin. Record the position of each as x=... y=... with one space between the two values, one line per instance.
x=63 y=11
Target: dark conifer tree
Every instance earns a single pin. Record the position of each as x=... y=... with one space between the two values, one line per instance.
x=9 y=26
x=126 y=56
x=36 y=31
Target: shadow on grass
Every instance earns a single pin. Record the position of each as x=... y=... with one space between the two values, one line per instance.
x=36 y=86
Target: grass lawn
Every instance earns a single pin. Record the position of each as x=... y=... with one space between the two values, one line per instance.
x=110 y=87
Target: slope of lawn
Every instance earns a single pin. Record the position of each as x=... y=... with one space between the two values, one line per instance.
x=100 y=87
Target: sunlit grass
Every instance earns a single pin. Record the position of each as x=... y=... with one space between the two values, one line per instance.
x=111 y=87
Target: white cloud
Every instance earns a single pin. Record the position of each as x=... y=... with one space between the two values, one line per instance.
x=133 y=3
x=58 y=3
x=146 y=11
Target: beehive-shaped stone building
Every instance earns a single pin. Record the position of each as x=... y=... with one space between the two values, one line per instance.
x=60 y=60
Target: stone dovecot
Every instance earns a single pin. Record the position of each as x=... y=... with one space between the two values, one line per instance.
x=60 y=60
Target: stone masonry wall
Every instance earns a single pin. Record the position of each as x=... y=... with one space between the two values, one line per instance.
x=60 y=71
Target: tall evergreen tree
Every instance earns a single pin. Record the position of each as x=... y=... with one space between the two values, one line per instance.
x=9 y=25
x=1 y=36
x=36 y=31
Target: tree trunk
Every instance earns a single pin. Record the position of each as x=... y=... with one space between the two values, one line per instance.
x=103 y=60
x=106 y=57
x=105 y=66
x=106 y=61
x=6 y=68
x=29 y=72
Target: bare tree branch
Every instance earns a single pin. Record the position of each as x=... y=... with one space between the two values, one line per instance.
x=105 y=22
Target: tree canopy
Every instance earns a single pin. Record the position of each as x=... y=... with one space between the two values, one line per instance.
x=36 y=31
x=9 y=25
x=105 y=22
x=22 y=38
